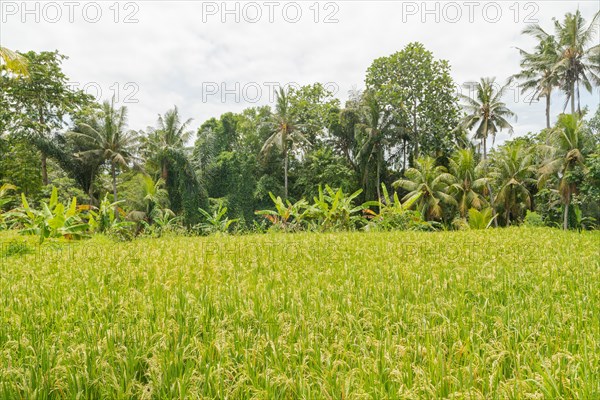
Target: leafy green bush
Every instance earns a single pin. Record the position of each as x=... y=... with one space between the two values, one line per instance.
x=533 y=219
x=460 y=224
x=392 y=214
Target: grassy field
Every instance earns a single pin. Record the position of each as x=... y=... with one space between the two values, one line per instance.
x=503 y=313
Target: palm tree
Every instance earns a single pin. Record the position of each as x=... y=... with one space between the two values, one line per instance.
x=109 y=140
x=566 y=145
x=486 y=110
x=167 y=143
x=155 y=198
x=429 y=183
x=578 y=62
x=465 y=185
x=539 y=75
x=513 y=171
x=13 y=61
x=374 y=126
x=286 y=133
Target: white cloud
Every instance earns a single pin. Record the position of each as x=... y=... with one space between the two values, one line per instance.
x=170 y=54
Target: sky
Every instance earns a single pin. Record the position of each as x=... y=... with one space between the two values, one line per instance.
x=209 y=57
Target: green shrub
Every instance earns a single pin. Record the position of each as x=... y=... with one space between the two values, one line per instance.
x=533 y=219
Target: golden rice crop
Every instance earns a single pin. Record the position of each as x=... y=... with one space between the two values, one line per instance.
x=503 y=313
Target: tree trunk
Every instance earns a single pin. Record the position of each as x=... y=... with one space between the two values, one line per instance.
x=44 y=169
x=165 y=172
x=548 y=111
x=285 y=173
x=484 y=147
x=494 y=215
x=415 y=133
x=91 y=195
x=113 y=171
x=566 y=214
x=44 y=157
x=378 y=182
x=404 y=156
x=578 y=99
x=573 y=98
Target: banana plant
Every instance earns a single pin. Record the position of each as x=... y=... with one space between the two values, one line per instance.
x=105 y=218
x=287 y=216
x=54 y=219
x=4 y=189
x=217 y=222
x=391 y=213
x=334 y=210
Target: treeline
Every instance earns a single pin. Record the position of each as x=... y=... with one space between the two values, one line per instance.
x=407 y=131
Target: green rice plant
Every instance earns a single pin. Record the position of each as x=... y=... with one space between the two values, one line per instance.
x=477 y=314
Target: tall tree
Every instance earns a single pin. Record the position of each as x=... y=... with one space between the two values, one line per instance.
x=466 y=184
x=565 y=152
x=513 y=171
x=167 y=142
x=420 y=89
x=538 y=74
x=373 y=133
x=43 y=99
x=109 y=140
x=578 y=62
x=285 y=133
x=486 y=110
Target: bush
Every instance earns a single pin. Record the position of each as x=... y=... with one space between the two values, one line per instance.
x=533 y=219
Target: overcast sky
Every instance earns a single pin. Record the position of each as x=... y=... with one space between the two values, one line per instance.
x=212 y=57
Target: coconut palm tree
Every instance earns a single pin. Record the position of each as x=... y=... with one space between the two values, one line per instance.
x=167 y=142
x=565 y=148
x=429 y=183
x=153 y=198
x=13 y=61
x=108 y=140
x=373 y=128
x=286 y=133
x=466 y=186
x=513 y=171
x=486 y=111
x=538 y=74
x=578 y=62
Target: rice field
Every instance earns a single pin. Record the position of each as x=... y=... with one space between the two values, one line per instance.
x=496 y=314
